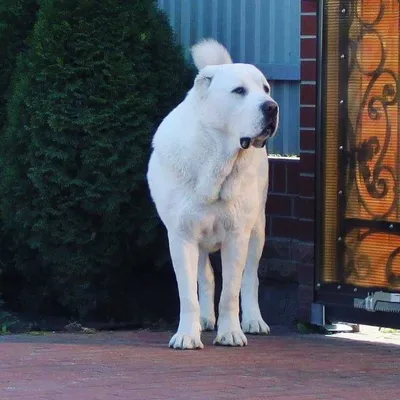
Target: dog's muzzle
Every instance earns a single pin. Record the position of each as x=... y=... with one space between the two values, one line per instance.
x=270 y=112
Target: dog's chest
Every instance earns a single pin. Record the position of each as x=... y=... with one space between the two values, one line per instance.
x=216 y=222
x=213 y=227
x=235 y=209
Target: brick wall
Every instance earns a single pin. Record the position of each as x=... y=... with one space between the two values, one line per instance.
x=278 y=263
x=289 y=248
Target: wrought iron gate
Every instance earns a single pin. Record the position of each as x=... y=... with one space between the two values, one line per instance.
x=359 y=158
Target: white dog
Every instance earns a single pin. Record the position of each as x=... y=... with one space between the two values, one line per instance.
x=208 y=177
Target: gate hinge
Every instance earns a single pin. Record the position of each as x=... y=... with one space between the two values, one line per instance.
x=379 y=301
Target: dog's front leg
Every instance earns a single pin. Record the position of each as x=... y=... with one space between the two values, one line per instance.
x=252 y=321
x=211 y=177
x=233 y=255
x=185 y=258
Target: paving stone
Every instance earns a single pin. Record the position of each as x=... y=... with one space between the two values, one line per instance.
x=138 y=365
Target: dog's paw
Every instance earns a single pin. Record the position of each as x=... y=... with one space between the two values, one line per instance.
x=233 y=338
x=207 y=324
x=185 y=342
x=256 y=327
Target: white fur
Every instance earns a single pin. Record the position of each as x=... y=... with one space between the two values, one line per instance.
x=209 y=52
x=211 y=195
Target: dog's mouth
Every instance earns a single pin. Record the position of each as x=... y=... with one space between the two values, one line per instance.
x=260 y=140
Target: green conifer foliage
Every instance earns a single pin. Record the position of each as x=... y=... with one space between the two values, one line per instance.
x=17 y=18
x=98 y=78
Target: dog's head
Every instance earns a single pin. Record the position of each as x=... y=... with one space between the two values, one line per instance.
x=234 y=99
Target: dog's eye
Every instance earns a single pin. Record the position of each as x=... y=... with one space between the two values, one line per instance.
x=239 y=90
x=266 y=89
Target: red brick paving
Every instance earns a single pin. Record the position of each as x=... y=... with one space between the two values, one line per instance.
x=139 y=366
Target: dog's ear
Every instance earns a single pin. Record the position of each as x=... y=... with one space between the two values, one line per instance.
x=202 y=83
x=203 y=80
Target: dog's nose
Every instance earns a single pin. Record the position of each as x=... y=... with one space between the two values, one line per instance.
x=269 y=109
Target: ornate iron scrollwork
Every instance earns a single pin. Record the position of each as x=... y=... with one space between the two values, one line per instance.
x=393 y=276
x=372 y=178
x=365 y=266
x=369 y=172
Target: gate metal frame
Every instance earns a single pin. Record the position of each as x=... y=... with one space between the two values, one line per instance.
x=335 y=302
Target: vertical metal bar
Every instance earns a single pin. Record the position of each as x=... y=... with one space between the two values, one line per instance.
x=214 y=13
x=243 y=27
x=320 y=145
x=286 y=124
x=295 y=28
x=257 y=32
x=397 y=185
x=272 y=31
x=229 y=24
x=286 y=30
x=185 y=22
x=294 y=138
x=278 y=95
x=200 y=17
x=344 y=26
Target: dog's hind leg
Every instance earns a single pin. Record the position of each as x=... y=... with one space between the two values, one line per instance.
x=185 y=258
x=252 y=321
x=206 y=292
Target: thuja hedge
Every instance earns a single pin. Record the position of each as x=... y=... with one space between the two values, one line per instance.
x=97 y=79
x=17 y=18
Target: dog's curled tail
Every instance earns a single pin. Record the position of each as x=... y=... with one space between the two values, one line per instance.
x=210 y=52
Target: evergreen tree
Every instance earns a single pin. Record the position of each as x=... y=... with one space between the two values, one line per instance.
x=17 y=18
x=98 y=78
